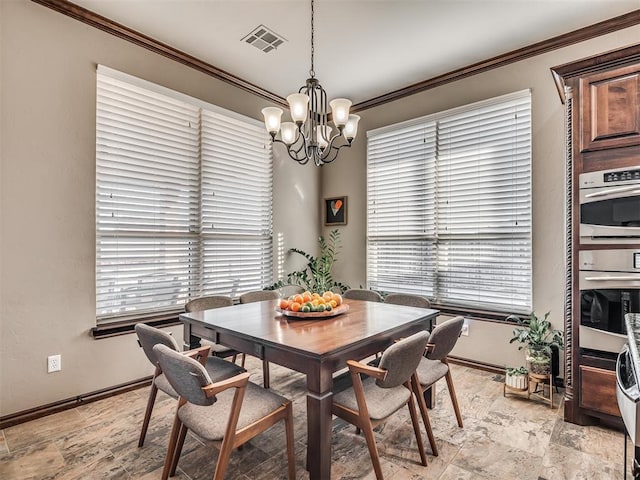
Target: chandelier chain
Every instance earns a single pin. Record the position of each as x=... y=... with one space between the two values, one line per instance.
x=312 y=72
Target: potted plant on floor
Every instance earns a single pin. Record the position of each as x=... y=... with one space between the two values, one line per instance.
x=537 y=339
x=517 y=378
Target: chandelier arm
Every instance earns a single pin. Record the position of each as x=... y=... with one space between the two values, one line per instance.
x=293 y=153
x=331 y=151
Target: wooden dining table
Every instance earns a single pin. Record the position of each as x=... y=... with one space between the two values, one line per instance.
x=317 y=347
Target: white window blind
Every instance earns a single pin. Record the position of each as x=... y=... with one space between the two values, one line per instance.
x=179 y=209
x=237 y=179
x=450 y=206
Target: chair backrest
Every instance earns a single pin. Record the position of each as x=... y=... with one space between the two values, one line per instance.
x=402 y=359
x=259 y=296
x=407 y=299
x=444 y=338
x=207 y=303
x=362 y=294
x=186 y=375
x=151 y=336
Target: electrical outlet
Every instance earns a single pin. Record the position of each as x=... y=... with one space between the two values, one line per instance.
x=465 y=328
x=54 y=363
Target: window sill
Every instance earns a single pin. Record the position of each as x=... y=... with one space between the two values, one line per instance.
x=475 y=314
x=128 y=326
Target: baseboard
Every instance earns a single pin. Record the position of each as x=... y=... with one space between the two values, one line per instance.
x=61 y=405
x=487 y=367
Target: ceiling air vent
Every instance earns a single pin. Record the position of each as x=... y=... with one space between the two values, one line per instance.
x=264 y=39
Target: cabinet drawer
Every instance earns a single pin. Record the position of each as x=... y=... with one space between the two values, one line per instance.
x=598 y=390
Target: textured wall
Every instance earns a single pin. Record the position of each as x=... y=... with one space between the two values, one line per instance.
x=47 y=202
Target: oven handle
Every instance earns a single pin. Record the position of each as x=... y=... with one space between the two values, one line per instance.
x=611 y=191
x=614 y=278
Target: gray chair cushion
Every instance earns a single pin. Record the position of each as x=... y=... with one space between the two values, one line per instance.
x=186 y=375
x=151 y=336
x=207 y=303
x=444 y=338
x=218 y=349
x=381 y=402
x=401 y=359
x=430 y=371
x=259 y=296
x=362 y=294
x=210 y=422
x=408 y=300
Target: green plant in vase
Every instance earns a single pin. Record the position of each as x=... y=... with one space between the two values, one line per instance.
x=316 y=276
x=537 y=339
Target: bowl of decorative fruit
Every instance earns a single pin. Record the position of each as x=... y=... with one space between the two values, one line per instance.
x=313 y=305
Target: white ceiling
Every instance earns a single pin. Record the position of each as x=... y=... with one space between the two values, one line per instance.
x=363 y=48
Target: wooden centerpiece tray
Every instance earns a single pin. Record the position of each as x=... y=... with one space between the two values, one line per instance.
x=315 y=315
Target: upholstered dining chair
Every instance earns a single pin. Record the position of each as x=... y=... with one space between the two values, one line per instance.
x=148 y=337
x=433 y=366
x=207 y=303
x=407 y=299
x=362 y=294
x=385 y=390
x=261 y=296
x=232 y=410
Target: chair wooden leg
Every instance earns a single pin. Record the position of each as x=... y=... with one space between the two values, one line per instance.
x=367 y=429
x=173 y=439
x=244 y=357
x=265 y=374
x=454 y=399
x=234 y=358
x=223 y=458
x=416 y=429
x=178 y=450
x=422 y=406
x=291 y=455
x=147 y=414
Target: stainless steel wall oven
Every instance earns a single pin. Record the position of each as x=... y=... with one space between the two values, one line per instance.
x=610 y=206
x=609 y=285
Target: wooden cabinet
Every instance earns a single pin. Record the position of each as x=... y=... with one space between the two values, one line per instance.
x=602 y=99
x=610 y=109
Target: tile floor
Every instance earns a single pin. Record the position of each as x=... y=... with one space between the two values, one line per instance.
x=503 y=438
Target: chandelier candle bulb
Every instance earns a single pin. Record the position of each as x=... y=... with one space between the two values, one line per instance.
x=289 y=132
x=272 y=116
x=298 y=106
x=351 y=128
x=340 y=111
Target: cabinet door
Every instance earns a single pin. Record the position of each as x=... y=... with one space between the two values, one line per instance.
x=610 y=109
x=598 y=390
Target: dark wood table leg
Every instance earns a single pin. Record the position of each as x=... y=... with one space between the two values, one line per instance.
x=319 y=402
x=190 y=341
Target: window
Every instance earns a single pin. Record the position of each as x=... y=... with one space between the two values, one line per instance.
x=183 y=200
x=449 y=206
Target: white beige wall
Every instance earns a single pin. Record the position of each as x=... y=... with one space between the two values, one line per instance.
x=47 y=173
x=487 y=342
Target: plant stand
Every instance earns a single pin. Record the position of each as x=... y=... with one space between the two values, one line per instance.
x=537 y=384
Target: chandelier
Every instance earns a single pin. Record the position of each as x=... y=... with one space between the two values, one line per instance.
x=309 y=136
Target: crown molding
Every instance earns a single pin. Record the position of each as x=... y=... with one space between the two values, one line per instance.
x=109 y=26
x=90 y=18
x=602 y=28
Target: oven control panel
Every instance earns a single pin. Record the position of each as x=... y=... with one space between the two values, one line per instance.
x=621 y=175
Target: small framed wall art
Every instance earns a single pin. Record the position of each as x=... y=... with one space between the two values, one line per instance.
x=335 y=211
